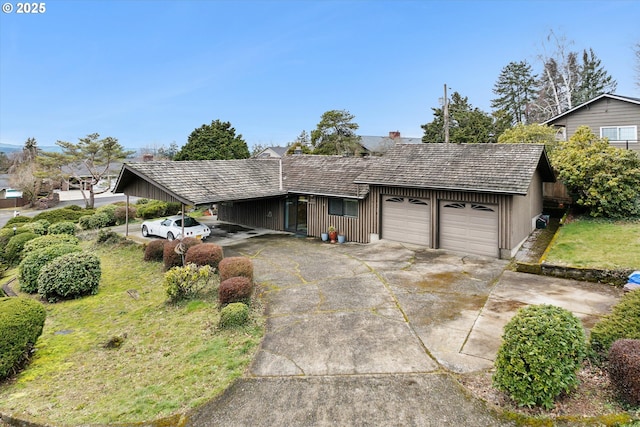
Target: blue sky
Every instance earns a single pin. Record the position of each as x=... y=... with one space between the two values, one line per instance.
x=150 y=72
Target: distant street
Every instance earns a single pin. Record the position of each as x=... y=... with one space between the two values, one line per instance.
x=66 y=200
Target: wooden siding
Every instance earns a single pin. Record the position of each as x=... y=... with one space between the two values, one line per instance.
x=262 y=213
x=354 y=229
x=604 y=113
x=141 y=188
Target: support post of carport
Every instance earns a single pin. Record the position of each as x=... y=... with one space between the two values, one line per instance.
x=126 y=218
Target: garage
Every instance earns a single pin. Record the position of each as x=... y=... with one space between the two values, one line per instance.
x=405 y=219
x=469 y=227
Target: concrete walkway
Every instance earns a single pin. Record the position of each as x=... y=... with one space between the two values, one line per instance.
x=370 y=334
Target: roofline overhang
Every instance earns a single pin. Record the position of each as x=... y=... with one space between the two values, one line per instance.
x=597 y=98
x=342 y=196
x=467 y=190
x=125 y=168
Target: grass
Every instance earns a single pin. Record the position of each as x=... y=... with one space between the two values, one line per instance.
x=587 y=242
x=172 y=358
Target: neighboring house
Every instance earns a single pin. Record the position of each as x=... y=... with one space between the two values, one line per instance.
x=612 y=116
x=272 y=153
x=9 y=197
x=473 y=198
x=378 y=145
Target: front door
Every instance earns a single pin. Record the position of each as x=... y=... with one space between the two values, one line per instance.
x=295 y=214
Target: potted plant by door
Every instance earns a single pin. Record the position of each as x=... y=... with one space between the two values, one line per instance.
x=333 y=234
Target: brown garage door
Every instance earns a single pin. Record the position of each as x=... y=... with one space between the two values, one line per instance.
x=469 y=227
x=405 y=219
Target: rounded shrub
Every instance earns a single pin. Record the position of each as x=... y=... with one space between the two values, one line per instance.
x=5 y=235
x=154 y=250
x=63 y=227
x=152 y=209
x=92 y=222
x=121 y=214
x=234 y=267
x=235 y=289
x=69 y=276
x=234 y=314
x=542 y=350
x=109 y=237
x=17 y=221
x=110 y=212
x=49 y=240
x=30 y=266
x=13 y=251
x=185 y=282
x=204 y=254
x=39 y=227
x=173 y=250
x=21 y=323
x=622 y=322
x=624 y=369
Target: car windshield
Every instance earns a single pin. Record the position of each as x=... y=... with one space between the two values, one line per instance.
x=188 y=222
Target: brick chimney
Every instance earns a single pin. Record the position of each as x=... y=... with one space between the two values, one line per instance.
x=394 y=134
x=147 y=157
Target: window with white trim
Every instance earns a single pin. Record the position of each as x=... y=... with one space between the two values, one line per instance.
x=619 y=133
x=343 y=207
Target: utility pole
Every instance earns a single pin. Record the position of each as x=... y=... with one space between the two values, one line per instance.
x=446 y=116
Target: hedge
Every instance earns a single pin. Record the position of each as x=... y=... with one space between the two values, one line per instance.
x=21 y=323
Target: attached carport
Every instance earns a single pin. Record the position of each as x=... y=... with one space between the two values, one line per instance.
x=200 y=183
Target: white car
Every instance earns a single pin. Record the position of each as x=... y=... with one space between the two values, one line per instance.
x=171 y=228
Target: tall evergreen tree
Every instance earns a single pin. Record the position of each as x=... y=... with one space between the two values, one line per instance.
x=467 y=124
x=217 y=141
x=593 y=79
x=516 y=88
x=335 y=134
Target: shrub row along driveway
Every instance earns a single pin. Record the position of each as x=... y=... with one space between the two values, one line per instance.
x=366 y=334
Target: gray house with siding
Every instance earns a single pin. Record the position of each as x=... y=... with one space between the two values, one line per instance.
x=482 y=199
x=612 y=116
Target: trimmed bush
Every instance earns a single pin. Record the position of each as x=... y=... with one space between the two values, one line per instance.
x=121 y=214
x=13 y=251
x=110 y=212
x=542 y=350
x=17 y=221
x=92 y=222
x=186 y=282
x=624 y=369
x=69 y=276
x=235 y=289
x=33 y=262
x=5 y=235
x=622 y=322
x=63 y=214
x=63 y=227
x=73 y=208
x=39 y=227
x=21 y=323
x=234 y=267
x=154 y=250
x=234 y=314
x=108 y=237
x=204 y=254
x=170 y=257
x=49 y=240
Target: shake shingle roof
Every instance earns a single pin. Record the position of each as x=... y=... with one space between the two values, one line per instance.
x=495 y=168
x=208 y=181
x=325 y=175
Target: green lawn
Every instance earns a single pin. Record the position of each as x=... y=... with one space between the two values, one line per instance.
x=593 y=243
x=173 y=358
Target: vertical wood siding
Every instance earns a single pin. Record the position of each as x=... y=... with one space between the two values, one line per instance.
x=264 y=213
x=354 y=229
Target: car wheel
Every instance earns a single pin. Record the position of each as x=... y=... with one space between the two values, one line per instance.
x=145 y=232
x=170 y=236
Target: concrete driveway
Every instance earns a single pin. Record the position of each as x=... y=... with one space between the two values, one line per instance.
x=370 y=334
